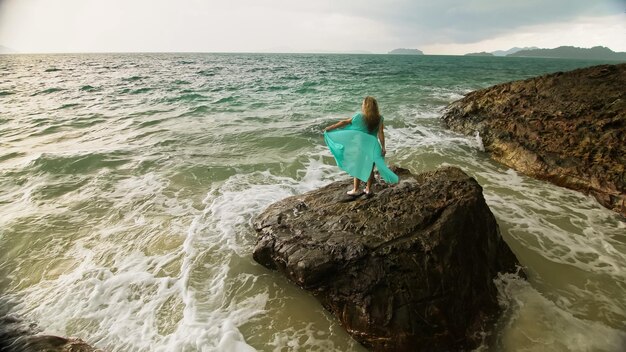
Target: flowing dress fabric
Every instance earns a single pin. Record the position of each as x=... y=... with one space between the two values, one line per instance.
x=357 y=150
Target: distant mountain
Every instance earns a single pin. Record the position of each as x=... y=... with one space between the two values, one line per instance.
x=572 y=52
x=512 y=50
x=403 y=51
x=5 y=50
x=482 y=53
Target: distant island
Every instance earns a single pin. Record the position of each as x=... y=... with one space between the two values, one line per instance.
x=512 y=50
x=403 y=51
x=571 y=52
x=482 y=53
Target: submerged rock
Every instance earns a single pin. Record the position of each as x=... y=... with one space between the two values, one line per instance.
x=567 y=128
x=409 y=269
x=17 y=335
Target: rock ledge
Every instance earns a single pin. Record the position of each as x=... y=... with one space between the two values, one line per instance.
x=567 y=128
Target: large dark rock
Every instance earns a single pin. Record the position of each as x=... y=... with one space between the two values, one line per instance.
x=409 y=269
x=568 y=128
x=17 y=335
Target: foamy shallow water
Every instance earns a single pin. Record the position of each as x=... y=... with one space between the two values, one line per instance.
x=128 y=184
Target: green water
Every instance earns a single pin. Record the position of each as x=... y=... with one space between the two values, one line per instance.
x=128 y=183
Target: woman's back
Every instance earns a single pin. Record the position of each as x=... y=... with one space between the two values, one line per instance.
x=358 y=123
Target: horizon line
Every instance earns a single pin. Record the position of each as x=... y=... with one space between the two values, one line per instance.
x=217 y=52
x=323 y=52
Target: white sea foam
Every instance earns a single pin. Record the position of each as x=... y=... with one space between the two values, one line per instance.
x=443 y=95
x=234 y=203
x=307 y=338
x=531 y=322
x=541 y=217
x=123 y=299
x=421 y=128
x=124 y=296
x=479 y=142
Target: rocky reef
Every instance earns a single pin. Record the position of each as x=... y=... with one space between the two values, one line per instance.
x=408 y=269
x=567 y=128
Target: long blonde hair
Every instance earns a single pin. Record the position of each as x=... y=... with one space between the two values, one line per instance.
x=371 y=114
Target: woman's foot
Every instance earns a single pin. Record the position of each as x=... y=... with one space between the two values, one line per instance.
x=368 y=192
x=354 y=192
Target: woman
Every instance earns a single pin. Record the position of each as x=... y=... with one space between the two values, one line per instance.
x=356 y=148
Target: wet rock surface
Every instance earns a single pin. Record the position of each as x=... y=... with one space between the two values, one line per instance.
x=408 y=269
x=17 y=335
x=567 y=128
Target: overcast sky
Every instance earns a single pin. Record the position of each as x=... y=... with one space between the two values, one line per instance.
x=434 y=26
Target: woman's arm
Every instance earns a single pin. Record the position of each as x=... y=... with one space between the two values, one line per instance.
x=381 y=137
x=339 y=124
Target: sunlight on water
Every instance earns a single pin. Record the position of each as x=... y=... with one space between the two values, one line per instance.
x=128 y=184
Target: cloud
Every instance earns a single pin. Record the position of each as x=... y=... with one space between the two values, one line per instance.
x=255 y=25
x=465 y=21
x=583 y=32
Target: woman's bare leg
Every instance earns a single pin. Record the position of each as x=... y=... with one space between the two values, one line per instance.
x=368 y=187
x=357 y=183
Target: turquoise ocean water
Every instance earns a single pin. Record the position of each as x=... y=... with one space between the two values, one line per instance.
x=128 y=183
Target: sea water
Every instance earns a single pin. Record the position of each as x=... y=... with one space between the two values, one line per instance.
x=128 y=183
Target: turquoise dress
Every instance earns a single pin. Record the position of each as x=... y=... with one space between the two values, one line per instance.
x=357 y=150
